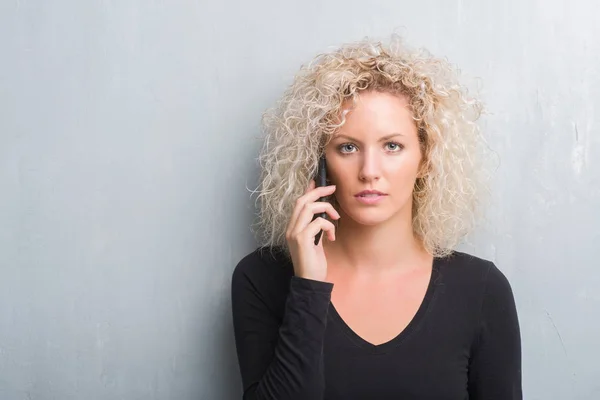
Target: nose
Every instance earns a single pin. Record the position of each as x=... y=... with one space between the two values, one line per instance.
x=370 y=168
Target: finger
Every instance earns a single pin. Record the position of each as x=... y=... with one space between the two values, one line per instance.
x=308 y=214
x=311 y=186
x=316 y=193
x=310 y=211
x=300 y=202
x=319 y=224
x=310 y=197
x=297 y=208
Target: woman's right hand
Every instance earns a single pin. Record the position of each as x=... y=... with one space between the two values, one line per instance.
x=309 y=259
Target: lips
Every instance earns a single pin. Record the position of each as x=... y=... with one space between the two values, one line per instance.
x=370 y=193
x=370 y=197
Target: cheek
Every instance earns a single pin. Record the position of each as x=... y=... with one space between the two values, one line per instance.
x=404 y=170
x=406 y=174
x=337 y=175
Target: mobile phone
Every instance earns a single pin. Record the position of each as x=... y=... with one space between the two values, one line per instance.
x=321 y=180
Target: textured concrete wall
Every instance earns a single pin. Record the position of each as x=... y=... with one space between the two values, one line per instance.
x=127 y=141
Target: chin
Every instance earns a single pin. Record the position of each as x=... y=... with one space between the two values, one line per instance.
x=369 y=217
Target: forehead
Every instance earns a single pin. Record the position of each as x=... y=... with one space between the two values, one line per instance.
x=377 y=114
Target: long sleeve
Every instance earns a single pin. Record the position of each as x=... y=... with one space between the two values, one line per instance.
x=495 y=364
x=280 y=359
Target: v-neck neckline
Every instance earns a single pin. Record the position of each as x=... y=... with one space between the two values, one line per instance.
x=412 y=326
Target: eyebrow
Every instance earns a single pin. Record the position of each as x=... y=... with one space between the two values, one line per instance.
x=388 y=137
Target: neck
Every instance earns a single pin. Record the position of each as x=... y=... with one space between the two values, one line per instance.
x=387 y=247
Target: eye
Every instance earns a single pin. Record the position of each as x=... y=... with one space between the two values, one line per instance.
x=394 y=146
x=346 y=148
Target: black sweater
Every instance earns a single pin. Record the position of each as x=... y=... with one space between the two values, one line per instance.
x=463 y=343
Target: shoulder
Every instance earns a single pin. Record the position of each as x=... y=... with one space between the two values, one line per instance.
x=264 y=269
x=466 y=260
x=469 y=266
x=477 y=272
x=263 y=260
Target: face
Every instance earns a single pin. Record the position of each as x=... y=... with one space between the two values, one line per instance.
x=374 y=159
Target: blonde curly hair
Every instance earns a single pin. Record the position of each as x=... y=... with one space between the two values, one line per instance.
x=448 y=196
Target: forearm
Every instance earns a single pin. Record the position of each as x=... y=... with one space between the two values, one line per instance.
x=296 y=368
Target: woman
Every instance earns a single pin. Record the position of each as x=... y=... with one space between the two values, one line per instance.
x=382 y=307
